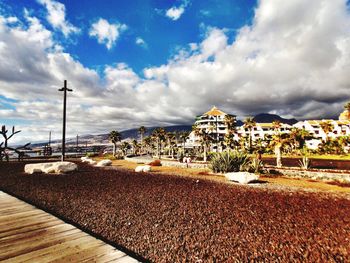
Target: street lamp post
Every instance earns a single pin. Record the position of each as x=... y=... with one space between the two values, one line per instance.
x=64 y=89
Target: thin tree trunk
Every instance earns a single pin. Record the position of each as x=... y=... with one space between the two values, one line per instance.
x=141 y=143
x=114 y=149
x=278 y=156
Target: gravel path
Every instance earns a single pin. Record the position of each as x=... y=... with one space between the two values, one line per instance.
x=174 y=219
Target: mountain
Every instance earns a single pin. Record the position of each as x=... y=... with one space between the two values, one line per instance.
x=133 y=133
x=267 y=117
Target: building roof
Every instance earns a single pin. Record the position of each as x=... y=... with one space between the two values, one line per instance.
x=215 y=112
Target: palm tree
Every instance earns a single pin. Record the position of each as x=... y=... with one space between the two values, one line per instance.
x=249 y=123
x=277 y=142
x=327 y=127
x=230 y=141
x=115 y=137
x=298 y=138
x=230 y=122
x=171 y=143
x=125 y=146
x=135 y=146
x=205 y=140
x=142 y=130
x=158 y=135
x=347 y=106
x=183 y=136
x=276 y=125
x=343 y=141
x=148 y=143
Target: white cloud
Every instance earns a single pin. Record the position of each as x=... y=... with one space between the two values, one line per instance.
x=57 y=17
x=174 y=13
x=106 y=33
x=139 y=41
x=293 y=60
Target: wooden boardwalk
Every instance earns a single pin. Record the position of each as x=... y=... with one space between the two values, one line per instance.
x=28 y=234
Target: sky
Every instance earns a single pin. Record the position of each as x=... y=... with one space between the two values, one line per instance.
x=159 y=63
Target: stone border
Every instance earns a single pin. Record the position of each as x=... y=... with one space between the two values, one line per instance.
x=168 y=163
x=312 y=174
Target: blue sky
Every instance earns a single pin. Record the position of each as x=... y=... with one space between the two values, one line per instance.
x=144 y=19
x=133 y=63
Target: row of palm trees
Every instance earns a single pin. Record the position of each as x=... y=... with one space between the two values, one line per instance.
x=157 y=143
x=161 y=142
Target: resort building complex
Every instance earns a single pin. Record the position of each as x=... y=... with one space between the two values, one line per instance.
x=216 y=124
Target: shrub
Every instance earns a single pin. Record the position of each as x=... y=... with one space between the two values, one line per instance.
x=226 y=162
x=305 y=163
x=256 y=166
x=155 y=163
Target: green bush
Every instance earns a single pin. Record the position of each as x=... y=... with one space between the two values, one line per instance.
x=255 y=166
x=226 y=162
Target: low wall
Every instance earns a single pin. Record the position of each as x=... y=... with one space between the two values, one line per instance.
x=167 y=163
x=342 y=176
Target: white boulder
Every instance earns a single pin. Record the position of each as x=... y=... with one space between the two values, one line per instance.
x=242 y=177
x=143 y=168
x=54 y=167
x=88 y=160
x=103 y=163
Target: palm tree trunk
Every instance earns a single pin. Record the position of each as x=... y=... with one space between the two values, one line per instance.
x=114 y=149
x=141 y=143
x=278 y=156
x=250 y=141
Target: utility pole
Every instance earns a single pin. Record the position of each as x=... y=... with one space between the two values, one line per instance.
x=77 y=141
x=64 y=89
x=49 y=139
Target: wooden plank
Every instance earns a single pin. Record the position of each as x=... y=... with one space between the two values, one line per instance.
x=38 y=232
x=26 y=221
x=4 y=217
x=28 y=228
x=111 y=257
x=50 y=253
x=37 y=238
x=20 y=225
x=17 y=250
x=28 y=234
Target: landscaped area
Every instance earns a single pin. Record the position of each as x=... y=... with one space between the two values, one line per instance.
x=168 y=218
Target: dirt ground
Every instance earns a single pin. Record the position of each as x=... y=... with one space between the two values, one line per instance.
x=167 y=218
x=273 y=182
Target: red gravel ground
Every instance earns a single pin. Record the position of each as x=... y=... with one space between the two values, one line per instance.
x=175 y=219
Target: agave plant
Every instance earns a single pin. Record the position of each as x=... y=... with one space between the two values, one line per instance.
x=305 y=163
x=256 y=165
x=225 y=162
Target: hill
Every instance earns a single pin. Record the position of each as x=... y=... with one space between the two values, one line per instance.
x=267 y=117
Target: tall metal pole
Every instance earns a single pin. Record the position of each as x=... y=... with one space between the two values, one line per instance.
x=77 y=141
x=64 y=89
x=49 y=138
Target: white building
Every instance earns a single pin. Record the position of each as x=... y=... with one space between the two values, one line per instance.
x=263 y=129
x=340 y=128
x=212 y=122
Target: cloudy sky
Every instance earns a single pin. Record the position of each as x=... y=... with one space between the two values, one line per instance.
x=156 y=62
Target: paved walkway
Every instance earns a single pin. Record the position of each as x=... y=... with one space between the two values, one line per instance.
x=28 y=234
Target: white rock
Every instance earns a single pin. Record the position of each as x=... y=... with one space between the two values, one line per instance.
x=54 y=167
x=88 y=160
x=242 y=177
x=106 y=162
x=143 y=168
